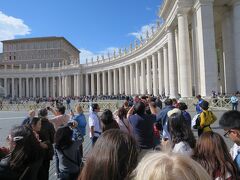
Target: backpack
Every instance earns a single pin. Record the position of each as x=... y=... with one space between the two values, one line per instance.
x=196 y=121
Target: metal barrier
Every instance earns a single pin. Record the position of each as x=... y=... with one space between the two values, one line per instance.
x=214 y=103
x=112 y=105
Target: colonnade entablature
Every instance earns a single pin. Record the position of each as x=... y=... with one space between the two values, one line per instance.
x=179 y=59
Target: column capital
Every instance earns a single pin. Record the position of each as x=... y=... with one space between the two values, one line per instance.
x=199 y=3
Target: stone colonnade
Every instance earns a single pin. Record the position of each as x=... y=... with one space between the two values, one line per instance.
x=45 y=86
x=189 y=57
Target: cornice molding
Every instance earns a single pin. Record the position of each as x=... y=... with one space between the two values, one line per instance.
x=200 y=3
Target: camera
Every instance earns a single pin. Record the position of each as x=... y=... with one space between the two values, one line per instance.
x=48 y=108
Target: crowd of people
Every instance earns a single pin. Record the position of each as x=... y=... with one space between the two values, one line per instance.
x=141 y=140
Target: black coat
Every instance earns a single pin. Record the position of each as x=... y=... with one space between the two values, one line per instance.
x=46 y=134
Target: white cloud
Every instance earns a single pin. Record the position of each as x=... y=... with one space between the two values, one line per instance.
x=11 y=27
x=143 y=31
x=87 y=54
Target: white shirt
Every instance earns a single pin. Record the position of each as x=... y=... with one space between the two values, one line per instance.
x=183 y=148
x=94 y=121
x=234 y=151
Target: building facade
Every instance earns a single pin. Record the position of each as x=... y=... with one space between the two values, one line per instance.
x=195 y=51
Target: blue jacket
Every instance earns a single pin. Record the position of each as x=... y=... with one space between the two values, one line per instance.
x=163 y=119
x=198 y=108
x=81 y=120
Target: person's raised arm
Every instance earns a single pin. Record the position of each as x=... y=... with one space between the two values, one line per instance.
x=130 y=112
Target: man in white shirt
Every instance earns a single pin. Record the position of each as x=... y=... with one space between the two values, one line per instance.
x=234 y=101
x=230 y=122
x=94 y=123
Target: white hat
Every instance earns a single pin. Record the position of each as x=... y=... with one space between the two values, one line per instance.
x=173 y=111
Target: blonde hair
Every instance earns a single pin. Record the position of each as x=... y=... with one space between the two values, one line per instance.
x=30 y=112
x=78 y=108
x=169 y=166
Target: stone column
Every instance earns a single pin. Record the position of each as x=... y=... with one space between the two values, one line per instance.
x=92 y=84
x=81 y=91
x=184 y=55
x=115 y=81
x=34 y=87
x=154 y=72
x=236 y=40
x=87 y=85
x=110 y=88
x=166 y=73
x=59 y=86
x=143 y=77
x=121 y=80
x=126 y=74
x=137 y=80
x=27 y=87
x=78 y=85
x=207 y=49
x=66 y=85
x=54 y=86
x=41 y=88
x=5 y=87
x=98 y=84
x=131 y=80
x=63 y=86
x=149 y=76
x=74 y=85
x=20 y=87
x=13 y=88
x=172 y=62
x=47 y=87
x=229 y=74
x=104 y=83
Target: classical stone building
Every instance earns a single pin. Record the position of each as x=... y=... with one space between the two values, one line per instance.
x=195 y=51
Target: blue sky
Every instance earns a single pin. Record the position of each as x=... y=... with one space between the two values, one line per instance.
x=93 y=26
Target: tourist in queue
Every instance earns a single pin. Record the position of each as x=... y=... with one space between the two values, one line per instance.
x=142 y=125
x=212 y=153
x=94 y=123
x=230 y=122
x=123 y=122
x=60 y=118
x=46 y=135
x=200 y=100
x=80 y=118
x=25 y=156
x=162 y=119
x=31 y=114
x=113 y=157
x=206 y=118
x=68 y=153
x=183 y=107
x=169 y=166
x=182 y=138
x=108 y=121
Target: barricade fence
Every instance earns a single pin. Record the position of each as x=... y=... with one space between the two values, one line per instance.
x=112 y=105
x=214 y=103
